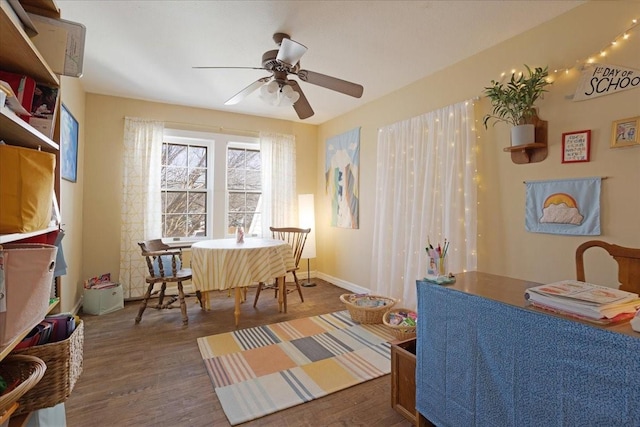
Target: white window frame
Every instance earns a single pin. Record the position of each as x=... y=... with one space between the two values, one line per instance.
x=217 y=195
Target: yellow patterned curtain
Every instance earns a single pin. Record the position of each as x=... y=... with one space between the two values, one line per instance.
x=141 y=203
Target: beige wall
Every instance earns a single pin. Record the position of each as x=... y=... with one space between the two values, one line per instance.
x=71 y=199
x=504 y=245
x=344 y=255
x=103 y=159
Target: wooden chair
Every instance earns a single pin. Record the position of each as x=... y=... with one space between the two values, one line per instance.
x=296 y=238
x=628 y=263
x=165 y=266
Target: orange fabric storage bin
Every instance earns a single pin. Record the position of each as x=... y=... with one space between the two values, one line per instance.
x=26 y=189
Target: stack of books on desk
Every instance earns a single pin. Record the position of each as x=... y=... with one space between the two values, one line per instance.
x=599 y=304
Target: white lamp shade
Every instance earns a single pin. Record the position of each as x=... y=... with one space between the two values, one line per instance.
x=290 y=52
x=307 y=219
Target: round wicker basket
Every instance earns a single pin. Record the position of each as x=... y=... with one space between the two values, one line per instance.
x=367 y=309
x=401 y=332
x=24 y=370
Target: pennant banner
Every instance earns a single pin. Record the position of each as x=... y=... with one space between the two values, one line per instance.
x=604 y=79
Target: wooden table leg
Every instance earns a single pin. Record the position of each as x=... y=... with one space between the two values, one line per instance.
x=205 y=300
x=236 y=312
x=282 y=294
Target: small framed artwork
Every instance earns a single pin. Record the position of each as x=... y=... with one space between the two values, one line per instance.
x=625 y=132
x=576 y=146
x=68 y=145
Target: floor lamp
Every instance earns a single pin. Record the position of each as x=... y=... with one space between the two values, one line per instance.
x=306 y=219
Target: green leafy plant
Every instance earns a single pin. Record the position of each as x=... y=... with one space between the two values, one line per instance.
x=513 y=103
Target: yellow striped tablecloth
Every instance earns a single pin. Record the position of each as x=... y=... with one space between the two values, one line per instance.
x=224 y=264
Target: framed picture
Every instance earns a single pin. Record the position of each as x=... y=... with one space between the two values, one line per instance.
x=625 y=132
x=576 y=146
x=68 y=145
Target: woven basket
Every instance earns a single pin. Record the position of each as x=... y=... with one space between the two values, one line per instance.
x=27 y=370
x=364 y=314
x=64 y=366
x=401 y=332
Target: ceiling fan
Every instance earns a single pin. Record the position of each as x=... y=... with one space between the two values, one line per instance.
x=278 y=89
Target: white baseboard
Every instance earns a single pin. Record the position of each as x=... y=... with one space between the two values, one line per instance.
x=356 y=289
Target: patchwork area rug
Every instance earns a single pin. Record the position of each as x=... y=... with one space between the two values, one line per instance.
x=262 y=370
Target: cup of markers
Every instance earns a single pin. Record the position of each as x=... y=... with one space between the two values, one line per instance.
x=437 y=255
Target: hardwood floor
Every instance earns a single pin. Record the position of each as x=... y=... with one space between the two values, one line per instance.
x=152 y=374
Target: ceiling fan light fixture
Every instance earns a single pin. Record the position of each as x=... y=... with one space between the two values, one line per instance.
x=278 y=95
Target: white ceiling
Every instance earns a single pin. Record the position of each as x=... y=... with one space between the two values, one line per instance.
x=146 y=49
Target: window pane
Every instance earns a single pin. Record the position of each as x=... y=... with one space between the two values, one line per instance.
x=176 y=202
x=175 y=225
x=197 y=203
x=235 y=179
x=252 y=202
x=236 y=202
x=197 y=225
x=235 y=158
x=253 y=181
x=177 y=155
x=197 y=157
x=176 y=178
x=197 y=178
x=253 y=160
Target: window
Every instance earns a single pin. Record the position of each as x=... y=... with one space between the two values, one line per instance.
x=210 y=183
x=244 y=188
x=184 y=189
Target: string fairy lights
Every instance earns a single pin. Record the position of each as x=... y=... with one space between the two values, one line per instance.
x=615 y=43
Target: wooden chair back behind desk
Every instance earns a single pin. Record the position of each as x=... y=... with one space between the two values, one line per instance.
x=628 y=260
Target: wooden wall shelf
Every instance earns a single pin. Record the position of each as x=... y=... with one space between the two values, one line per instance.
x=534 y=152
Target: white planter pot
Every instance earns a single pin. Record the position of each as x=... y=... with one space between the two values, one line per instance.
x=523 y=134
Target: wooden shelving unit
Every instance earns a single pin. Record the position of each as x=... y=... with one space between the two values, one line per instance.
x=535 y=152
x=19 y=55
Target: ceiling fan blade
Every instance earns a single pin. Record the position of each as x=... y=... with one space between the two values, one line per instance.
x=332 y=83
x=302 y=107
x=230 y=68
x=290 y=52
x=246 y=91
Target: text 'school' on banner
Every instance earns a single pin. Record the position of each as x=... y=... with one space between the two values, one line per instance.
x=604 y=79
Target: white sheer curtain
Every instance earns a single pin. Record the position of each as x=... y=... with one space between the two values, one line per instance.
x=425 y=189
x=141 y=203
x=279 y=198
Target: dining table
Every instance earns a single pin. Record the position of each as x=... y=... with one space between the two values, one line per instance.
x=225 y=264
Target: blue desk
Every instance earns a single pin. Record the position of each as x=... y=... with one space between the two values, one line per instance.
x=486 y=359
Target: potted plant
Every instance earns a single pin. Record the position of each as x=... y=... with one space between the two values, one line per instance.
x=513 y=103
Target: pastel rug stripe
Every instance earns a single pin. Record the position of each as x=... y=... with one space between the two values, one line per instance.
x=294 y=353
x=364 y=364
x=255 y=337
x=298 y=386
x=337 y=320
x=235 y=367
x=216 y=372
x=332 y=344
